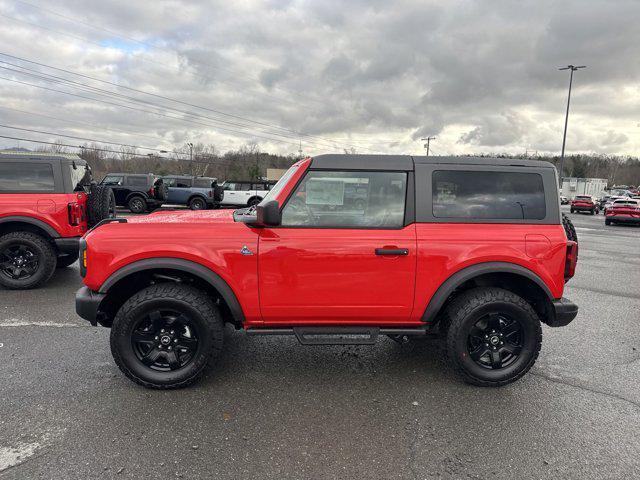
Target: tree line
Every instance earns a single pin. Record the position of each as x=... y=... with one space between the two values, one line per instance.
x=250 y=162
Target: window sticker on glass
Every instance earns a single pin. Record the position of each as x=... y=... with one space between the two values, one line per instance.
x=322 y=191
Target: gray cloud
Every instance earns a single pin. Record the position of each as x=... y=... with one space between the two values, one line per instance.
x=371 y=74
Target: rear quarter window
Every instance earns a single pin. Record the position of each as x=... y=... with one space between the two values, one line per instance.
x=26 y=176
x=137 y=181
x=460 y=194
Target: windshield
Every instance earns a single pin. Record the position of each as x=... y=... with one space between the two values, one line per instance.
x=277 y=188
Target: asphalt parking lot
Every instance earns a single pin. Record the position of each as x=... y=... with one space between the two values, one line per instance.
x=274 y=409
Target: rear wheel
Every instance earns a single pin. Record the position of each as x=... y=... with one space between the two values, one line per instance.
x=166 y=335
x=571 y=210
x=254 y=201
x=26 y=260
x=493 y=338
x=197 y=203
x=137 y=204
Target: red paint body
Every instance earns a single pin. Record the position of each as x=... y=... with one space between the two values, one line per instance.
x=319 y=276
x=50 y=208
x=623 y=213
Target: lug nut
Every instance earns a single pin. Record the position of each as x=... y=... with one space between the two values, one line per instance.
x=501 y=343
x=486 y=344
x=169 y=347
x=162 y=330
x=172 y=332
x=175 y=340
x=156 y=338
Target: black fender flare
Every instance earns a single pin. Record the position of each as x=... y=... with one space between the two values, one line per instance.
x=454 y=281
x=197 y=195
x=32 y=221
x=137 y=193
x=181 y=264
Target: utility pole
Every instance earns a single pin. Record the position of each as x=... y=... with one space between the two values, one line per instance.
x=190 y=145
x=572 y=68
x=300 y=150
x=426 y=145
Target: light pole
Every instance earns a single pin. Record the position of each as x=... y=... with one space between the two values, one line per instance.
x=566 y=118
x=426 y=145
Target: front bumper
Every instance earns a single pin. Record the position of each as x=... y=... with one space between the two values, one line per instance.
x=67 y=245
x=564 y=313
x=87 y=304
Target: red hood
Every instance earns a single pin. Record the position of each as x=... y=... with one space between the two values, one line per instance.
x=185 y=216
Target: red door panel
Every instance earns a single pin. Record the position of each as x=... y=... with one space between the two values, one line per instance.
x=322 y=276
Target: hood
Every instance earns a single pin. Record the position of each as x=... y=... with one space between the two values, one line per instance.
x=185 y=216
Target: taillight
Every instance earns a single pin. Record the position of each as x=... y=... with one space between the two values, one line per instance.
x=76 y=213
x=571 y=260
x=210 y=193
x=152 y=192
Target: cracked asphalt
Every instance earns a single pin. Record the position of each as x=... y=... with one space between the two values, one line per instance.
x=274 y=409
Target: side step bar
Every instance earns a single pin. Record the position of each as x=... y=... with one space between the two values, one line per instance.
x=338 y=335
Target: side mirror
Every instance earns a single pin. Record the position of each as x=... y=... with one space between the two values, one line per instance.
x=268 y=215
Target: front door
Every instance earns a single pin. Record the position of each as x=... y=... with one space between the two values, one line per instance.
x=343 y=253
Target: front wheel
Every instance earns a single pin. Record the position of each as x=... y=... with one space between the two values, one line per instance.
x=26 y=260
x=166 y=335
x=493 y=337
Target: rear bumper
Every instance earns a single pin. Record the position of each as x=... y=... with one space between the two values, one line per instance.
x=623 y=219
x=87 y=304
x=68 y=245
x=583 y=208
x=564 y=312
x=153 y=203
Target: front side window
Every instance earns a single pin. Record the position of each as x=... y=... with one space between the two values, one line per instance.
x=19 y=176
x=340 y=199
x=112 y=180
x=459 y=194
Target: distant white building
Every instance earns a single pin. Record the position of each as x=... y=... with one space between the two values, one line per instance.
x=572 y=186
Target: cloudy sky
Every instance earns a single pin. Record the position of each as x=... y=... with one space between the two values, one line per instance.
x=371 y=75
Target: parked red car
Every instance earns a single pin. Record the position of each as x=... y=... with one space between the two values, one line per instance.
x=473 y=248
x=623 y=211
x=46 y=205
x=584 y=203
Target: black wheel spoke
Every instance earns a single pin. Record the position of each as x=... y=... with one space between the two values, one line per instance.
x=496 y=361
x=511 y=348
x=143 y=337
x=188 y=343
x=478 y=352
x=509 y=330
x=172 y=358
x=151 y=357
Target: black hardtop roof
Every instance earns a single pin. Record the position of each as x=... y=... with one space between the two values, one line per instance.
x=407 y=162
x=131 y=174
x=41 y=156
x=168 y=175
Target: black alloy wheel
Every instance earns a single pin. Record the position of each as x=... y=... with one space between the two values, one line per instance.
x=197 y=204
x=137 y=205
x=165 y=340
x=19 y=261
x=495 y=341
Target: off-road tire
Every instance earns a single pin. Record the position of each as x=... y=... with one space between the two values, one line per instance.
x=101 y=204
x=194 y=303
x=66 y=260
x=569 y=229
x=571 y=210
x=197 y=203
x=137 y=204
x=462 y=314
x=46 y=260
x=253 y=201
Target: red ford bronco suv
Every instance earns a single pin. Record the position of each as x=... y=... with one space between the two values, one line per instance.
x=46 y=205
x=472 y=248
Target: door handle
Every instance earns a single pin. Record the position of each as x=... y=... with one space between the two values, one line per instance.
x=392 y=251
